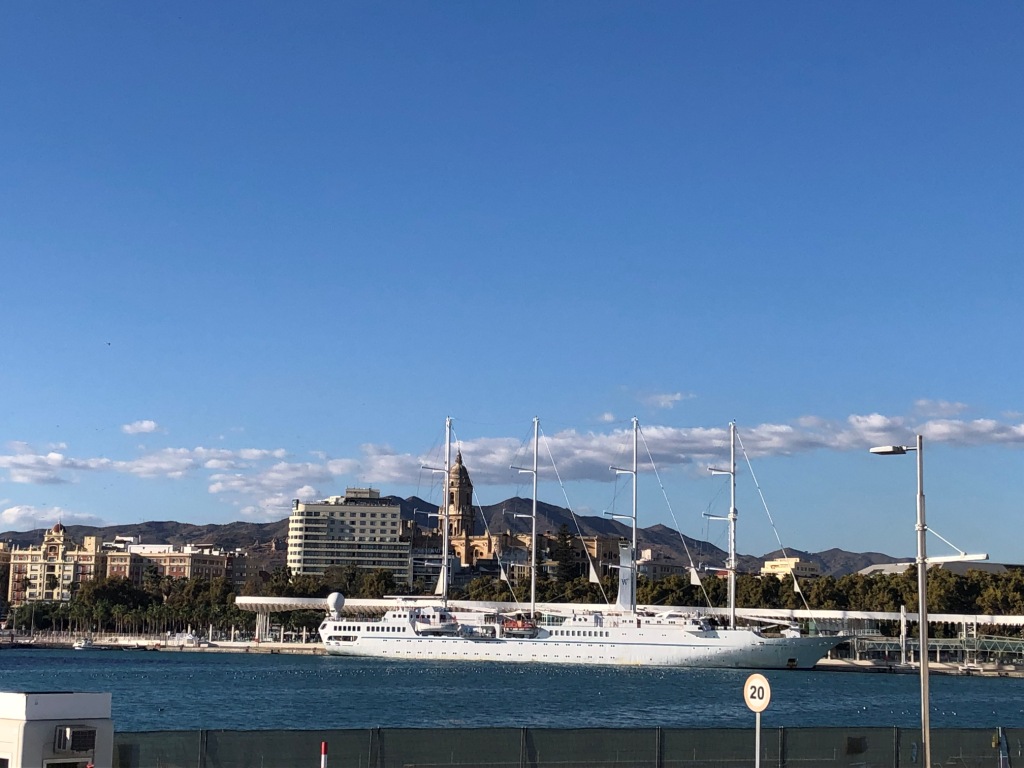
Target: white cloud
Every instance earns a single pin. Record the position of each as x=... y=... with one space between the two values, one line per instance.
x=274 y=486
x=261 y=482
x=258 y=454
x=140 y=427
x=167 y=462
x=976 y=432
x=938 y=408
x=380 y=464
x=268 y=511
x=28 y=466
x=607 y=417
x=25 y=517
x=665 y=401
x=278 y=505
x=219 y=464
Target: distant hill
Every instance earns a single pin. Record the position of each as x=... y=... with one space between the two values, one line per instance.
x=838 y=562
x=496 y=518
x=239 y=535
x=507 y=516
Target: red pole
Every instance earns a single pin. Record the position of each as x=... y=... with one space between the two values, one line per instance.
x=323 y=754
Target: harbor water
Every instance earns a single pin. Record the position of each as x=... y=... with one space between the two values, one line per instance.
x=161 y=691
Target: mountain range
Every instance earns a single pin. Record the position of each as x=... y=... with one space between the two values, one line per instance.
x=268 y=538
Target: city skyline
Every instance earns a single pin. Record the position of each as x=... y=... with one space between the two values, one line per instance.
x=255 y=253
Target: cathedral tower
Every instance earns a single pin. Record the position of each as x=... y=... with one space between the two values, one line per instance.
x=460 y=501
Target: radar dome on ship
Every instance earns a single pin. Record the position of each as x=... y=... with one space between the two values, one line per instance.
x=335 y=602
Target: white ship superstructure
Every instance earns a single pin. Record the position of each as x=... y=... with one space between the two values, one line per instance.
x=618 y=634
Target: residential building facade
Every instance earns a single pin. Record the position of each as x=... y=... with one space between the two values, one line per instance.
x=165 y=560
x=655 y=565
x=55 y=569
x=791 y=566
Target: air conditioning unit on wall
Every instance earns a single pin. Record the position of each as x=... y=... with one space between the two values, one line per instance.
x=74 y=738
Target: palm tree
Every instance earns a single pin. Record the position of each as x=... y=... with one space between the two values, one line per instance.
x=119 y=612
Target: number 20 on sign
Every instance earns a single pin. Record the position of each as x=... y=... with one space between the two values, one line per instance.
x=758 y=694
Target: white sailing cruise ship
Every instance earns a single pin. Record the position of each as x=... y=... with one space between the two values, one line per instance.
x=561 y=633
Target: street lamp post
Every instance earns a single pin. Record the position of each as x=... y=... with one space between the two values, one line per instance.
x=922 y=581
x=922 y=586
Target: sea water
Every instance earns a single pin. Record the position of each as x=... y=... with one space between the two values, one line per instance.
x=158 y=691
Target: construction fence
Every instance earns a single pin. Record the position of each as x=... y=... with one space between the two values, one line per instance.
x=569 y=748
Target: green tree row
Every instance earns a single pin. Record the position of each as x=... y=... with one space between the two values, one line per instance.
x=116 y=605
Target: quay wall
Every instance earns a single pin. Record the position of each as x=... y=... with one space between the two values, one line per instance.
x=107 y=642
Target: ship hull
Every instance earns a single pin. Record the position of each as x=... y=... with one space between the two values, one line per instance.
x=729 y=649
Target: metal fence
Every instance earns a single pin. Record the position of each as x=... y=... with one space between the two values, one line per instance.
x=568 y=748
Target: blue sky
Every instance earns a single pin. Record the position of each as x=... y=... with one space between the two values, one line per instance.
x=258 y=251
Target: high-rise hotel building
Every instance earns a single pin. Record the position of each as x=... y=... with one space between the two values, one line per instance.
x=359 y=528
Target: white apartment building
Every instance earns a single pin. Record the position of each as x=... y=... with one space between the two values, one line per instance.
x=791 y=566
x=359 y=528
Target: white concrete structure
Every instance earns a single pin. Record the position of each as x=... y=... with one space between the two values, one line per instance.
x=56 y=730
x=264 y=606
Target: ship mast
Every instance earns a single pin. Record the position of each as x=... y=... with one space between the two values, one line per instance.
x=533 y=519
x=636 y=433
x=730 y=564
x=631 y=517
x=533 y=524
x=447 y=509
x=442 y=581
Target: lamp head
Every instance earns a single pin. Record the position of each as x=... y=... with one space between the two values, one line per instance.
x=892 y=450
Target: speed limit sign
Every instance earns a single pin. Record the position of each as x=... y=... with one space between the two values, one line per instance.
x=757 y=693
